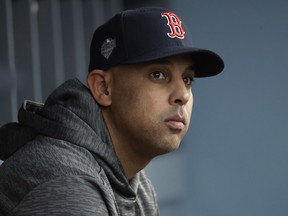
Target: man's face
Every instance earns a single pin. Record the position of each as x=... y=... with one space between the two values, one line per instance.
x=151 y=105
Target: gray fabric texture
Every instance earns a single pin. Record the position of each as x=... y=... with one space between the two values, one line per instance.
x=60 y=160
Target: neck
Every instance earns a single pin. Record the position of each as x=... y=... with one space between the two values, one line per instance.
x=131 y=159
x=131 y=162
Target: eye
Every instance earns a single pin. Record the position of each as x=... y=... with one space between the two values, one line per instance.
x=158 y=75
x=188 y=80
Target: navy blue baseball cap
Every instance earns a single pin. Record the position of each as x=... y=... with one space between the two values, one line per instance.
x=147 y=34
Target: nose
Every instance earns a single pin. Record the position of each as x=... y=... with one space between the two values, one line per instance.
x=181 y=93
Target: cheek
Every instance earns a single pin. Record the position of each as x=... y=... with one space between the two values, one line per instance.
x=144 y=108
x=139 y=95
x=187 y=110
x=128 y=100
x=144 y=105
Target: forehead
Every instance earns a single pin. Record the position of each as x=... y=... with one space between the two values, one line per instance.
x=181 y=62
x=183 y=59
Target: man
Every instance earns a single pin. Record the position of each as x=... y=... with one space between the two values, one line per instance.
x=84 y=150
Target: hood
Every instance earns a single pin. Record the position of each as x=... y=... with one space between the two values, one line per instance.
x=71 y=114
x=9 y=138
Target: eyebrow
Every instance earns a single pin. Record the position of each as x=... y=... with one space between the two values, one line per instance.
x=168 y=62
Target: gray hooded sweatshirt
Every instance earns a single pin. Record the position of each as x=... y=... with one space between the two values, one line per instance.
x=59 y=160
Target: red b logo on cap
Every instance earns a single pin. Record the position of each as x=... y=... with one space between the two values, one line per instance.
x=174 y=24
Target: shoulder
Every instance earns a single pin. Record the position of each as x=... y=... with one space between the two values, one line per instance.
x=77 y=195
x=47 y=158
x=52 y=177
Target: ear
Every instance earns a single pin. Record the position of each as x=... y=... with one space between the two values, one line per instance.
x=99 y=82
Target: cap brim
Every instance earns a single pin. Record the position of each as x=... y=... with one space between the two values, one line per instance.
x=206 y=62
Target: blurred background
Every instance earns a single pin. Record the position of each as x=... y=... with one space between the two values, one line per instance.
x=233 y=161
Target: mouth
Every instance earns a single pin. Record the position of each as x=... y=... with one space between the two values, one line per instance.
x=176 y=122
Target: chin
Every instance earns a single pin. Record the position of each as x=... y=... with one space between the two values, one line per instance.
x=167 y=148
